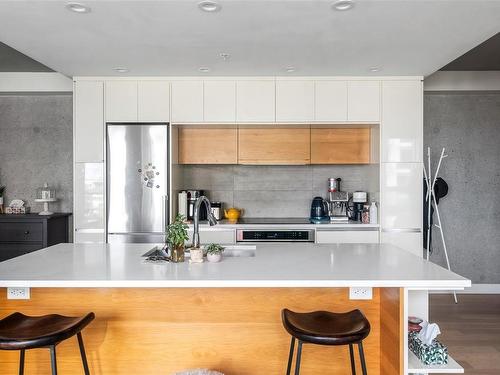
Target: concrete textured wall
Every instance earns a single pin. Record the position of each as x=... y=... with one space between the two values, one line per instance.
x=36 y=146
x=276 y=191
x=468 y=125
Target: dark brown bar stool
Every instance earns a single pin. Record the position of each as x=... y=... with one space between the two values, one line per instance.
x=21 y=332
x=326 y=328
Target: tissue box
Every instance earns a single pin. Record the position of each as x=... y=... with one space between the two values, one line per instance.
x=434 y=354
x=17 y=210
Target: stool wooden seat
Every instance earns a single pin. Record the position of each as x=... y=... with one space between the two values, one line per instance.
x=326 y=328
x=22 y=332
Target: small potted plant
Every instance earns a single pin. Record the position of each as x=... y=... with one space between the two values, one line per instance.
x=177 y=235
x=214 y=252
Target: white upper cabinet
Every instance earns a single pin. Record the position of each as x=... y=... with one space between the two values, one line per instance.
x=153 y=101
x=402 y=121
x=363 y=98
x=89 y=121
x=294 y=101
x=121 y=101
x=187 y=101
x=255 y=101
x=219 y=101
x=401 y=195
x=330 y=101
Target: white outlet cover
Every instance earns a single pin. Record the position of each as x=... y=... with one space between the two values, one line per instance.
x=18 y=293
x=360 y=293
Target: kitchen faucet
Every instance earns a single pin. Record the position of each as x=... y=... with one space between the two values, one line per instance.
x=196 y=215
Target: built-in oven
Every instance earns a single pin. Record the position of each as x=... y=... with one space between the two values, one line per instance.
x=274 y=235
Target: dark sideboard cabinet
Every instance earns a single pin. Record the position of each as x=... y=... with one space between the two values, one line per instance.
x=22 y=234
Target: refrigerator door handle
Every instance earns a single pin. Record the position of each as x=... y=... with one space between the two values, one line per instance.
x=164 y=201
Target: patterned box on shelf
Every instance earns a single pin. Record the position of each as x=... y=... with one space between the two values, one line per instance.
x=17 y=210
x=434 y=354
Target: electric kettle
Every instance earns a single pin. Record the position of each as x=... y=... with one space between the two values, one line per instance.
x=319 y=211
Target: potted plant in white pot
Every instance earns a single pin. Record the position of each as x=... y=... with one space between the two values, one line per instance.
x=214 y=252
x=177 y=235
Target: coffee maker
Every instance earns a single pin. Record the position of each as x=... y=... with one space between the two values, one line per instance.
x=192 y=196
x=337 y=201
x=359 y=199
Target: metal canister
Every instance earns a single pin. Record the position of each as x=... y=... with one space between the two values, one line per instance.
x=216 y=208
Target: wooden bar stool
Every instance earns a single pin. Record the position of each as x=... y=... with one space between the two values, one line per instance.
x=21 y=332
x=326 y=328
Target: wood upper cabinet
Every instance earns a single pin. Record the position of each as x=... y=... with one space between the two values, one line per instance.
x=330 y=101
x=363 y=98
x=89 y=121
x=269 y=146
x=255 y=101
x=294 y=101
x=219 y=101
x=340 y=146
x=208 y=145
x=121 y=101
x=153 y=101
x=187 y=101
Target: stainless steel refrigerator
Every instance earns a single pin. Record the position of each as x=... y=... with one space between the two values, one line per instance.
x=137 y=182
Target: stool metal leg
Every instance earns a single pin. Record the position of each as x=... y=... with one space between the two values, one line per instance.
x=21 y=362
x=53 y=360
x=82 y=353
x=290 y=356
x=362 y=357
x=351 y=354
x=299 y=355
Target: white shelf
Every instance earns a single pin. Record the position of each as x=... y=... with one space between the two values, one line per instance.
x=415 y=366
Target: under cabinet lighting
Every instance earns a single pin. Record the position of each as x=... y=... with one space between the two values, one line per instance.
x=343 y=5
x=78 y=7
x=209 y=6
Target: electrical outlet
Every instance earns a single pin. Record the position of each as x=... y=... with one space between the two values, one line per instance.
x=360 y=293
x=18 y=293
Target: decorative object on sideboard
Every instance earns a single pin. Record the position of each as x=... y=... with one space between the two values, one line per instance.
x=45 y=195
x=16 y=207
x=2 y=191
x=214 y=252
x=233 y=214
x=177 y=235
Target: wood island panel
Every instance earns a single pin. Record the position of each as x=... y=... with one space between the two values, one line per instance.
x=340 y=146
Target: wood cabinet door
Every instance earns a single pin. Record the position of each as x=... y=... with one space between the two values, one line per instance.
x=255 y=101
x=208 y=145
x=121 y=101
x=363 y=98
x=154 y=101
x=294 y=101
x=187 y=101
x=340 y=146
x=274 y=146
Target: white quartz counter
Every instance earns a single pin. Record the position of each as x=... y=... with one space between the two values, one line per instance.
x=351 y=225
x=273 y=265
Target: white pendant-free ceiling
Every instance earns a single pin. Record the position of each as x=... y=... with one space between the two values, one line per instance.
x=152 y=38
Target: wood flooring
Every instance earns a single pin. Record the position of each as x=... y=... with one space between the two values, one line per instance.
x=470 y=329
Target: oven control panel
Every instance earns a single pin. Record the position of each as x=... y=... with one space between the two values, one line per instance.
x=277 y=235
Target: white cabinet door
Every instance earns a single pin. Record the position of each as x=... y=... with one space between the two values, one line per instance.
x=187 y=101
x=330 y=102
x=255 y=101
x=409 y=241
x=363 y=101
x=401 y=195
x=402 y=121
x=347 y=236
x=88 y=215
x=294 y=101
x=121 y=101
x=219 y=104
x=89 y=121
x=153 y=101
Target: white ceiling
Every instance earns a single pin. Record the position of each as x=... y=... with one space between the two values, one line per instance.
x=404 y=37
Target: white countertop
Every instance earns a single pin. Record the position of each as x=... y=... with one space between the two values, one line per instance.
x=225 y=224
x=274 y=265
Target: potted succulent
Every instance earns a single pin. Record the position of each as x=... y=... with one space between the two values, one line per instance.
x=214 y=252
x=177 y=235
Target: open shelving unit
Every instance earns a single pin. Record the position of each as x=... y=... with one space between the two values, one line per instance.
x=415 y=366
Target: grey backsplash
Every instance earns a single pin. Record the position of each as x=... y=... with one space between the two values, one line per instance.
x=276 y=191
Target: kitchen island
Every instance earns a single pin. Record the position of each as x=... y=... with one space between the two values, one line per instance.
x=162 y=318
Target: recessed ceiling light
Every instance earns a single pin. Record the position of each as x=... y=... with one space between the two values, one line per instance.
x=120 y=69
x=225 y=56
x=343 y=4
x=77 y=7
x=374 y=69
x=204 y=69
x=290 y=69
x=209 y=6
